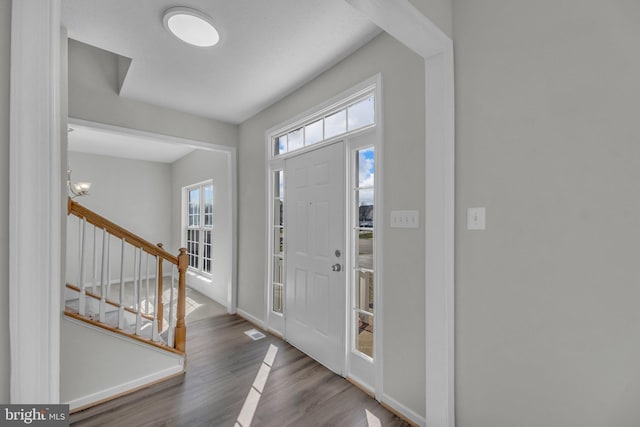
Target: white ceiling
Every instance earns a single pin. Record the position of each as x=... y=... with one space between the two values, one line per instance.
x=109 y=142
x=268 y=49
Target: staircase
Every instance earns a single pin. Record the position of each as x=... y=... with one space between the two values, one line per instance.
x=120 y=283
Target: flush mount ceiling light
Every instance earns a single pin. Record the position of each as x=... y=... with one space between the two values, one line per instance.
x=191 y=26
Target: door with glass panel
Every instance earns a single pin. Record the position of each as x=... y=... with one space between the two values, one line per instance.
x=315 y=296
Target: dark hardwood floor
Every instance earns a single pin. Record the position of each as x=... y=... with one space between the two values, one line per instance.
x=222 y=363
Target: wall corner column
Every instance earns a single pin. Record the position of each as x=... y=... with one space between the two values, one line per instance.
x=36 y=202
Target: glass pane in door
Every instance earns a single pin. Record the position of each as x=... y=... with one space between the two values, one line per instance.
x=364 y=333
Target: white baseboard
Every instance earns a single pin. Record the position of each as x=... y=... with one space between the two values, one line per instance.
x=251 y=318
x=361 y=384
x=123 y=388
x=193 y=284
x=403 y=410
x=219 y=300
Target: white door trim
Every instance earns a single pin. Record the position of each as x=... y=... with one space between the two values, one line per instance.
x=36 y=202
x=408 y=25
x=275 y=322
x=231 y=302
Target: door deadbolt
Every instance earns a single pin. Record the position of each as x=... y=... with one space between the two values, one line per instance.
x=336 y=267
x=338 y=253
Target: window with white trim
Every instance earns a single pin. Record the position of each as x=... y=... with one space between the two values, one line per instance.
x=199 y=226
x=353 y=116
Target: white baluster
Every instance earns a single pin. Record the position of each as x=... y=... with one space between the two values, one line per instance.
x=80 y=254
x=103 y=277
x=121 y=301
x=146 y=293
x=138 y=284
x=135 y=288
x=170 y=337
x=82 y=299
x=108 y=265
x=154 y=334
x=95 y=260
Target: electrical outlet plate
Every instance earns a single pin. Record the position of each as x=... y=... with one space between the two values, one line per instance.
x=405 y=219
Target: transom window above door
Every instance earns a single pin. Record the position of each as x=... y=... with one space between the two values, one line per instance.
x=338 y=121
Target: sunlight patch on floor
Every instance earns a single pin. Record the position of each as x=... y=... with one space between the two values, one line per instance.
x=191 y=305
x=253 y=398
x=372 y=420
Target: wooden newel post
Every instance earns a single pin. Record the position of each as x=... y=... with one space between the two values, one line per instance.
x=181 y=327
x=159 y=303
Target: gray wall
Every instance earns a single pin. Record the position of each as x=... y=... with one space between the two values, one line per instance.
x=548 y=140
x=132 y=193
x=144 y=210
x=94 y=362
x=5 y=48
x=193 y=168
x=439 y=12
x=93 y=95
x=403 y=91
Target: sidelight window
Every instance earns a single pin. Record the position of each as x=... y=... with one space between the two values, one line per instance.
x=364 y=233
x=278 y=242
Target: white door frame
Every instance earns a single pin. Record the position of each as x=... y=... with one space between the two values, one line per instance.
x=408 y=25
x=274 y=322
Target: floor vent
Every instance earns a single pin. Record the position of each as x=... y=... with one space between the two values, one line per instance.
x=254 y=334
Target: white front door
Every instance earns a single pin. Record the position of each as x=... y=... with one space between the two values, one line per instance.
x=315 y=228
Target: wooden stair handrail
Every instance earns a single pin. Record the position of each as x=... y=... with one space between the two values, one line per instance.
x=180 y=261
x=74 y=208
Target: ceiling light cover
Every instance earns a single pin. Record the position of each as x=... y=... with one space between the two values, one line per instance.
x=191 y=26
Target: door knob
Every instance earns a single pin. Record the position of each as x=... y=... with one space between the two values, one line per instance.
x=336 y=267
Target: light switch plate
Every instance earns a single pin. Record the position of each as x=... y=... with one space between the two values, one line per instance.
x=476 y=219
x=405 y=219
